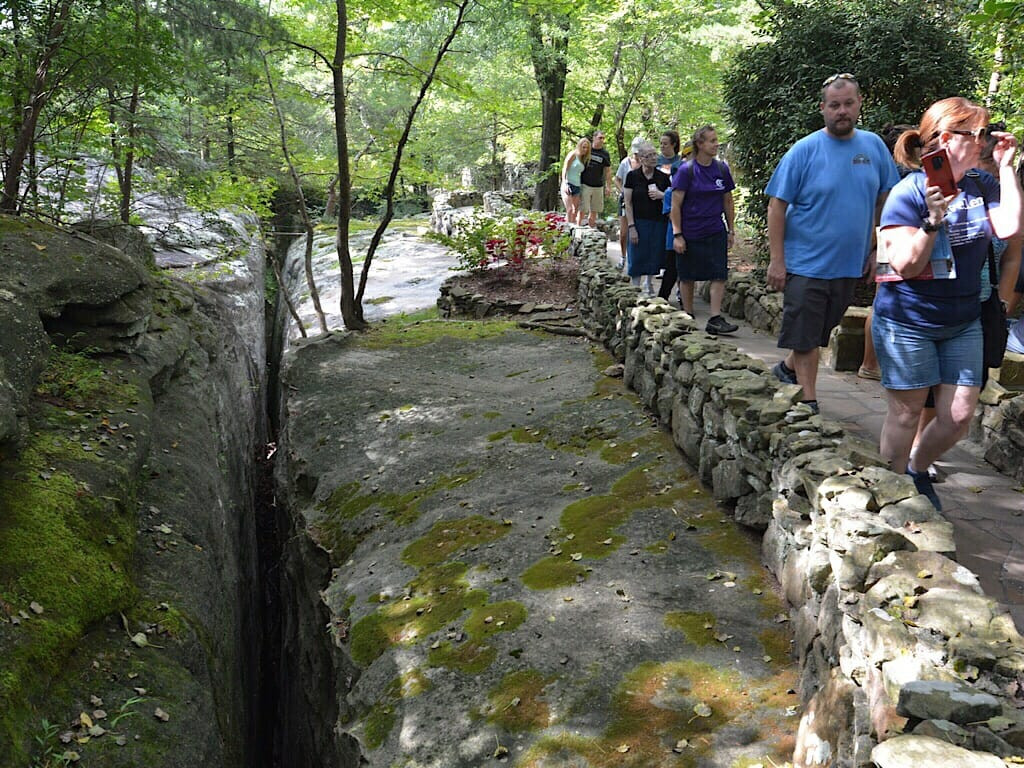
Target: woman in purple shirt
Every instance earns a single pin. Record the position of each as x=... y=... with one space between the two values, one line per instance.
x=703 y=221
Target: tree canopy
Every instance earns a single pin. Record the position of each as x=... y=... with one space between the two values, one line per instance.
x=236 y=101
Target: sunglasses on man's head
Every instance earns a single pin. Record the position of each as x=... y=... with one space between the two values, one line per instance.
x=832 y=78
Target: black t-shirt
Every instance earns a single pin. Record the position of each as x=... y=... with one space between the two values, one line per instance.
x=593 y=174
x=643 y=206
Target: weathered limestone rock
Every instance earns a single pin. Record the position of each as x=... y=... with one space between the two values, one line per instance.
x=946 y=700
x=914 y=751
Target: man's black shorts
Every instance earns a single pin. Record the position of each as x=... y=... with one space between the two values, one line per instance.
x=811 y=308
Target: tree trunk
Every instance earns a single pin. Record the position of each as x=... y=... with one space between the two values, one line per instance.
x=307 y=223
x=595 y=121
x=549 y=54
x=995 y=78
x=37 y=98
x=396 y=163
x=351 y=311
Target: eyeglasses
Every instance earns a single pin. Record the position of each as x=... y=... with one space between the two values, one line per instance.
x=844 y=76
x=977 y=133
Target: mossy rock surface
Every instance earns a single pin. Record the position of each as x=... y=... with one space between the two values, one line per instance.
x=529 y=595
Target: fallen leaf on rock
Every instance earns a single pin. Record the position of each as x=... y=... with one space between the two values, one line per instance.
x=576 y=556
x=95 y=700
x=757 y=591
x=140 y=640
x=71 y=757
x=781 y=618
x=66 y=737
x=766 y=659
x=121 y=741
x=713 y=576
x=500 y=751
x=701 y=709
x=722 y=637
x=681 y=745
x=36 y=608
x=924 y=574
x=97 y=731
x=159 y=714
x=623 y=748
x=671 y=535
x=999 y=723
x=84 y=720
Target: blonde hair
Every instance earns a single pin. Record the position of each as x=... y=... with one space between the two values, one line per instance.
x=955 y=112
x=590 y=146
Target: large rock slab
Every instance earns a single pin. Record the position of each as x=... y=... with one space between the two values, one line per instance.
x=917 y=751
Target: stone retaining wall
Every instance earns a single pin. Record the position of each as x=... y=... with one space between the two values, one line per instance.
x=904 y=660
x=999 y=423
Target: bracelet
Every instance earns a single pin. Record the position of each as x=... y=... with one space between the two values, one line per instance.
x=677 y=234
x=632 y=226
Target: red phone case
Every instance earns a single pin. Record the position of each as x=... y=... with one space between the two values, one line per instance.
x=939 y=172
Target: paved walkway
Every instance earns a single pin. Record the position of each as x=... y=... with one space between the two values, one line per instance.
x=985 y=507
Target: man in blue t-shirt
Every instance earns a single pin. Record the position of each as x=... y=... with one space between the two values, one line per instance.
x=826 y=194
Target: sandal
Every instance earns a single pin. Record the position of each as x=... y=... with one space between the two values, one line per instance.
x=869 y=373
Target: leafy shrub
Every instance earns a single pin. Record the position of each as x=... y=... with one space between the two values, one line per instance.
x=481 y=239
x=905 y=56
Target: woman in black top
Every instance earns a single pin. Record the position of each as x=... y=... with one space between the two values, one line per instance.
x=644 y=189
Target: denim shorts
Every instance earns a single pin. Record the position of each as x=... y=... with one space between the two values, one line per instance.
x=573 y=189
x=912 y=357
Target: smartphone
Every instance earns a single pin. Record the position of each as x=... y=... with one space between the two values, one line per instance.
x=939 y=172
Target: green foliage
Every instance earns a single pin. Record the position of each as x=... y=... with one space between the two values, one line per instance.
x=220 y=189
x=470 y=241
x=481 y=239
x=904 y=57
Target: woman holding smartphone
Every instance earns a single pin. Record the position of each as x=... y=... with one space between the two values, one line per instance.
x=926 y=325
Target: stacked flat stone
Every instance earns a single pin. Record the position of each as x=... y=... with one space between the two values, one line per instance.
x=904 y=660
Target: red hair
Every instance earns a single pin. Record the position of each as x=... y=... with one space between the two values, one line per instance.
x=955 y=112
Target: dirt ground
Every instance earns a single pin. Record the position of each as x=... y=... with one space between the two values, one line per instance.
x=554 y=282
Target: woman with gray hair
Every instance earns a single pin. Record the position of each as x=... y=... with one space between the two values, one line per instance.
x=646 y=224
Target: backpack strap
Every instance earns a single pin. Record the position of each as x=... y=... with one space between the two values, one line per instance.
x=993 y=271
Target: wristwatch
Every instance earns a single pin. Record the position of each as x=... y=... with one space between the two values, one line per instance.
x=927 y=226
x=677 y=234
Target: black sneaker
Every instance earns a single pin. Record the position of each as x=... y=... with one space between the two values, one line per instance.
x=923 y=483
x=718 y=325
x=784 y=373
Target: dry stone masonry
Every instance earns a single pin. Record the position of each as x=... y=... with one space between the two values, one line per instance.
x=905 y=662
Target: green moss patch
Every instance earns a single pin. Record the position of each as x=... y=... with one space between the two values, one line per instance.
x=553 y=572
x=468 y=658
x=698 y=628
x=67 y=528
x=381 y=718
x=447 y=537
x=658 y=704
x=335 y=533
x=515 y=704
x=519 y=435
x=493 y=618
x=426 y=326
x=589 y=525
x=438 y=596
